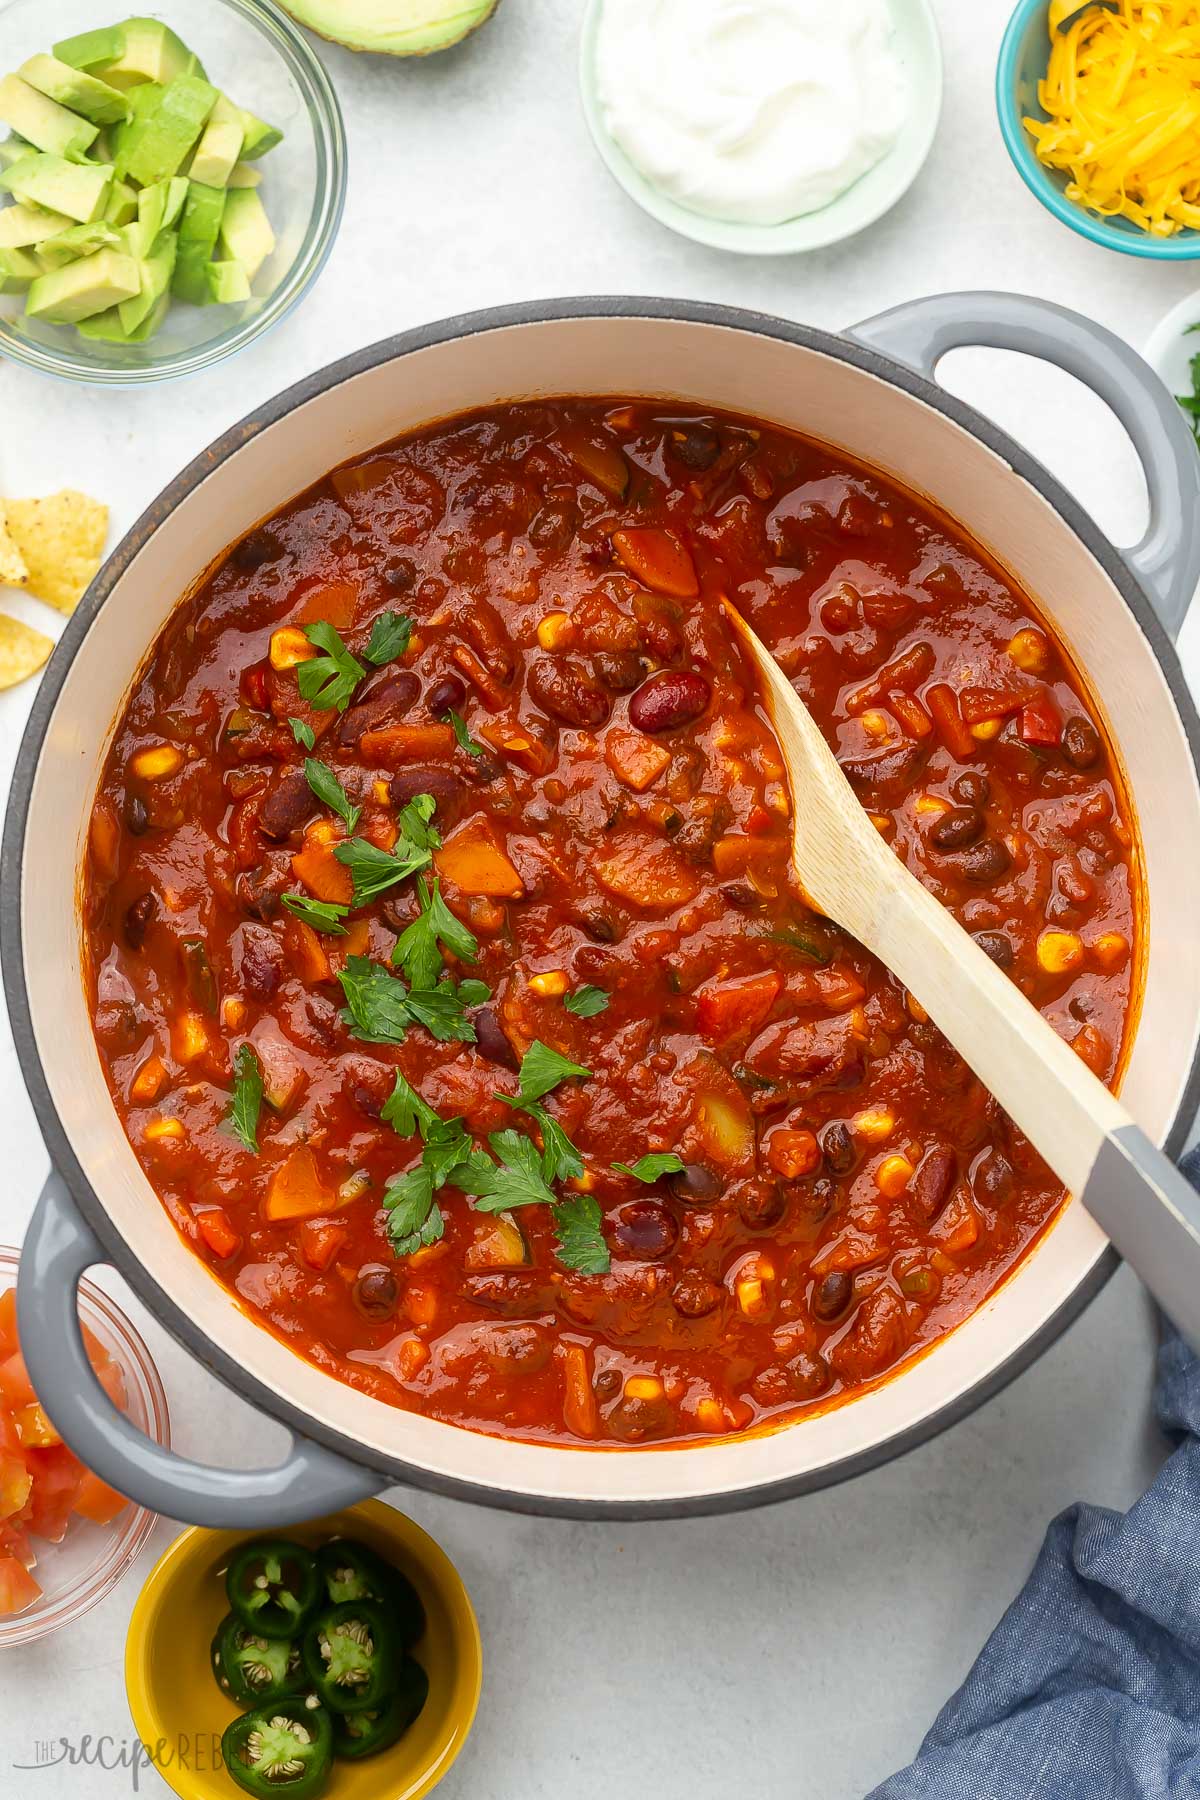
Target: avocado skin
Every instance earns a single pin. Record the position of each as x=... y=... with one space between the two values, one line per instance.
x=333 y=20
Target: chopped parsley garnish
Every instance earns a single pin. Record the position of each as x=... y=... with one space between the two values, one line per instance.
x=405 y=1111
x=581 y=1242
x=374 y=871
x=542 y=1069
x=561 y=1160
x=586 y=1002
x=418 y=949
x=389 y=637
x=650 y=1167
x=322 y=915
x=416 y=832
x=448 y=1154
x=1191 y=402
x=328 y=681
x=414 y=1216
x=247 y=1097
x=303 y=734
x=462 y=733
x=519 y=1180
x=380 y=1008
x=329 y=790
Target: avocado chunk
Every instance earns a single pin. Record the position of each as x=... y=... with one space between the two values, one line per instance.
x=87 y=286
x=18 y=267
x=393 y=27
x=43 y=122
x=150 y=51
x=155 y=271
x=91 y=49
x=81 y=93
x=76 y=241
x=199 y=227
x=246 y=235
x=12 y=149
x=257 y=136
x=220 y=145
x=161 y=137
x=21 y=226
x=226 y=282
x=142 y=100
x=107 y=327
x=121 y=205
x=244 y=175
x=78 y=189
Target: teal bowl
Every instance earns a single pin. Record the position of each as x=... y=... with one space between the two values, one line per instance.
x=1023 y=58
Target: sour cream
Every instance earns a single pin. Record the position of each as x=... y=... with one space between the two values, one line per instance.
x=751 y=110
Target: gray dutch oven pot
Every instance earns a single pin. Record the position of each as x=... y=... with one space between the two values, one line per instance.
x=870 y=393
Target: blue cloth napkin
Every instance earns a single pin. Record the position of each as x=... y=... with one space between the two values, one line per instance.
x=1089 y=1687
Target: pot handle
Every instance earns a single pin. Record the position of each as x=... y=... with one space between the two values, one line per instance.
x=1167 y=560
x=59 y=1247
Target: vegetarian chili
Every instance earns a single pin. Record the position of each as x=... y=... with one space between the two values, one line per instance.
x=446 y=973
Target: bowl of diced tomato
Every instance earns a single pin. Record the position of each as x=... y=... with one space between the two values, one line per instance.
x=66 y=1537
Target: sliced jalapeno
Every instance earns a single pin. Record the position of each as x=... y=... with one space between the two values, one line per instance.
x=360 y=1734
x=351 y=1654
x=273 y=1586
x=353 y=1571
x=284 y=1748
x=253 y=1669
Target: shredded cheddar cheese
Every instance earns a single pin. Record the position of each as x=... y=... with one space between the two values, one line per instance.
x=1122 y=98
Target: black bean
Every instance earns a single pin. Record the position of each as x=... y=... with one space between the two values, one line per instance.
x=741 y=895
x=882 y=769
x=289 y=805
x=448 y=694
x=491 y=1040
x=254 y=551
x=698 y=448
x=554 y=525
x=647 y=1229
x=400 y=575
x=599 y=926
x=1081 y=743
x=138 y=918
x=997 y=946
x=607 y=1384
x=696 y=1185
x=993 y=1178
x=832 y=1295
x=694 y=1295
x=761 y=1203
x=137 y=819
x=376 y=1293
x=367 y=1101
x=956 y=829
x=987 y=861
x=971 y=788
x=839 y=1148
x=809 y=1375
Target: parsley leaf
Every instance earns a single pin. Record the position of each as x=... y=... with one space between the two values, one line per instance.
x=648 y=1168
x=329 y=790
x=376 y=1003
x=415 y=828
x=389 y=637
x=329 y=680
x=440 y=1011
x=519 y=1182
x=417 y=950
x=303 y=734
x=542 y=1069
x=247 y=1097
x=462 y=733
x=561 y=1160
x=581 y=1242
x=586 y=1002
x=414 y=1217
x=405 y=1111
x=322 y=915
x=374 y=870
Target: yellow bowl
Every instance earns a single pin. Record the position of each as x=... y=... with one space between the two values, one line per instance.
x=180 y=1713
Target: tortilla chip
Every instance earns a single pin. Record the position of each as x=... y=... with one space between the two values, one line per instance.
x=61 y=538
x=13 y=572
x=22 y=651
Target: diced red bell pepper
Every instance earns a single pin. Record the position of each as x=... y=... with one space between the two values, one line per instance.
x=253 y=686
x=1041 y=721
x=729 y=1007
x=97 y=1501
x=18 y=1589
x=320 y=1241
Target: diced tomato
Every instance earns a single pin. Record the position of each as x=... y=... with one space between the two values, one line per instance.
x=18 y=1589
x=727 y=1008
x=34 y=1427
x=97 y=1501
x=16 y=1389
x=217 y=1232
x=253 y=686
x=979 y=703
x=1041 y=721
x=8 y=1323
x=658 y=559
x=320 y=1241
x=57 y=1478
x=15 y=1483
x=15 y=1541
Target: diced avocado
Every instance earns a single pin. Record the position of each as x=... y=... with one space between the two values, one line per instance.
x=95 y=100
x=122 y=203
x=257 y=136
x=246 y=234
x=83 y=288
x=394 y=28
x=21 y=226
x=155 y=272
x=150 y=51
x=107 y=326
x=43 y=122
x=91 y=49
x=244 y=175
x=161 y=137
x=199 y=227
x=226 y=282
x=76 y=241
x=18 y=267
x=177 y=188
x=12 y=149
x=78 y=189
x=142 y=99
x=217 y=153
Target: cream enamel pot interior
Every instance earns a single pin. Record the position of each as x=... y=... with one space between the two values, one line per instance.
x=870 y=394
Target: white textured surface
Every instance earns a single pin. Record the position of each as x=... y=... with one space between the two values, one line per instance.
x=800 y=1651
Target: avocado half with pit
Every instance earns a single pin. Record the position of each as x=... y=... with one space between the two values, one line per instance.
x=393 y=27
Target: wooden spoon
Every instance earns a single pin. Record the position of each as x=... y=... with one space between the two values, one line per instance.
x=1093 y=1145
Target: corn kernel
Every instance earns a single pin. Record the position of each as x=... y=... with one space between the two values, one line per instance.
x=875 y=1124
x=189 y=1037
x=381 y=793
x=710 y=1415
x=555 y=631
x=883 y=823
x=751 y=1296
x=233 y=1012
x=1111 y=951
x=289 y=646
x=1058 y=952
x=643 y=1387
x=876 y=722
x=932 y=803
x=550 y=985
x=1030 y=650
x=157 y=763
x=915 y=1010
x=893 y=1176
x=986 y=730
x=583 y=1184
x=162 y=1128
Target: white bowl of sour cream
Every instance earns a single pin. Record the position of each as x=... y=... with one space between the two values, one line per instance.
x=762 y=126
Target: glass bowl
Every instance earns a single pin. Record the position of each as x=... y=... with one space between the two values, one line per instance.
x=77 y=1574
x=270 y=68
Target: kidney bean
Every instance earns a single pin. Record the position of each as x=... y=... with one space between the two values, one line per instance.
x=696 y=1185
x=698 y=447
x=956 y=829
x=893 y=767
x=491 y=1040
x=986 y=862
x=258 y=893
x=289 y=805
x=930 y=1186
x=448 y=694
x=489 y=634
x=619 y=670
x=138 y=918
x=376 y=1293
x=324 y=1018
x=393 y=694
x=366 y=1101
x=694 y=1295
x=831 y=1296
x=997 y=946
x=646 y=1228
x=258 y=548
x=1080 y=743
x=669 y=699
x=259 y=960
x=971 y=788
x=566 y=691
x=444 y=784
